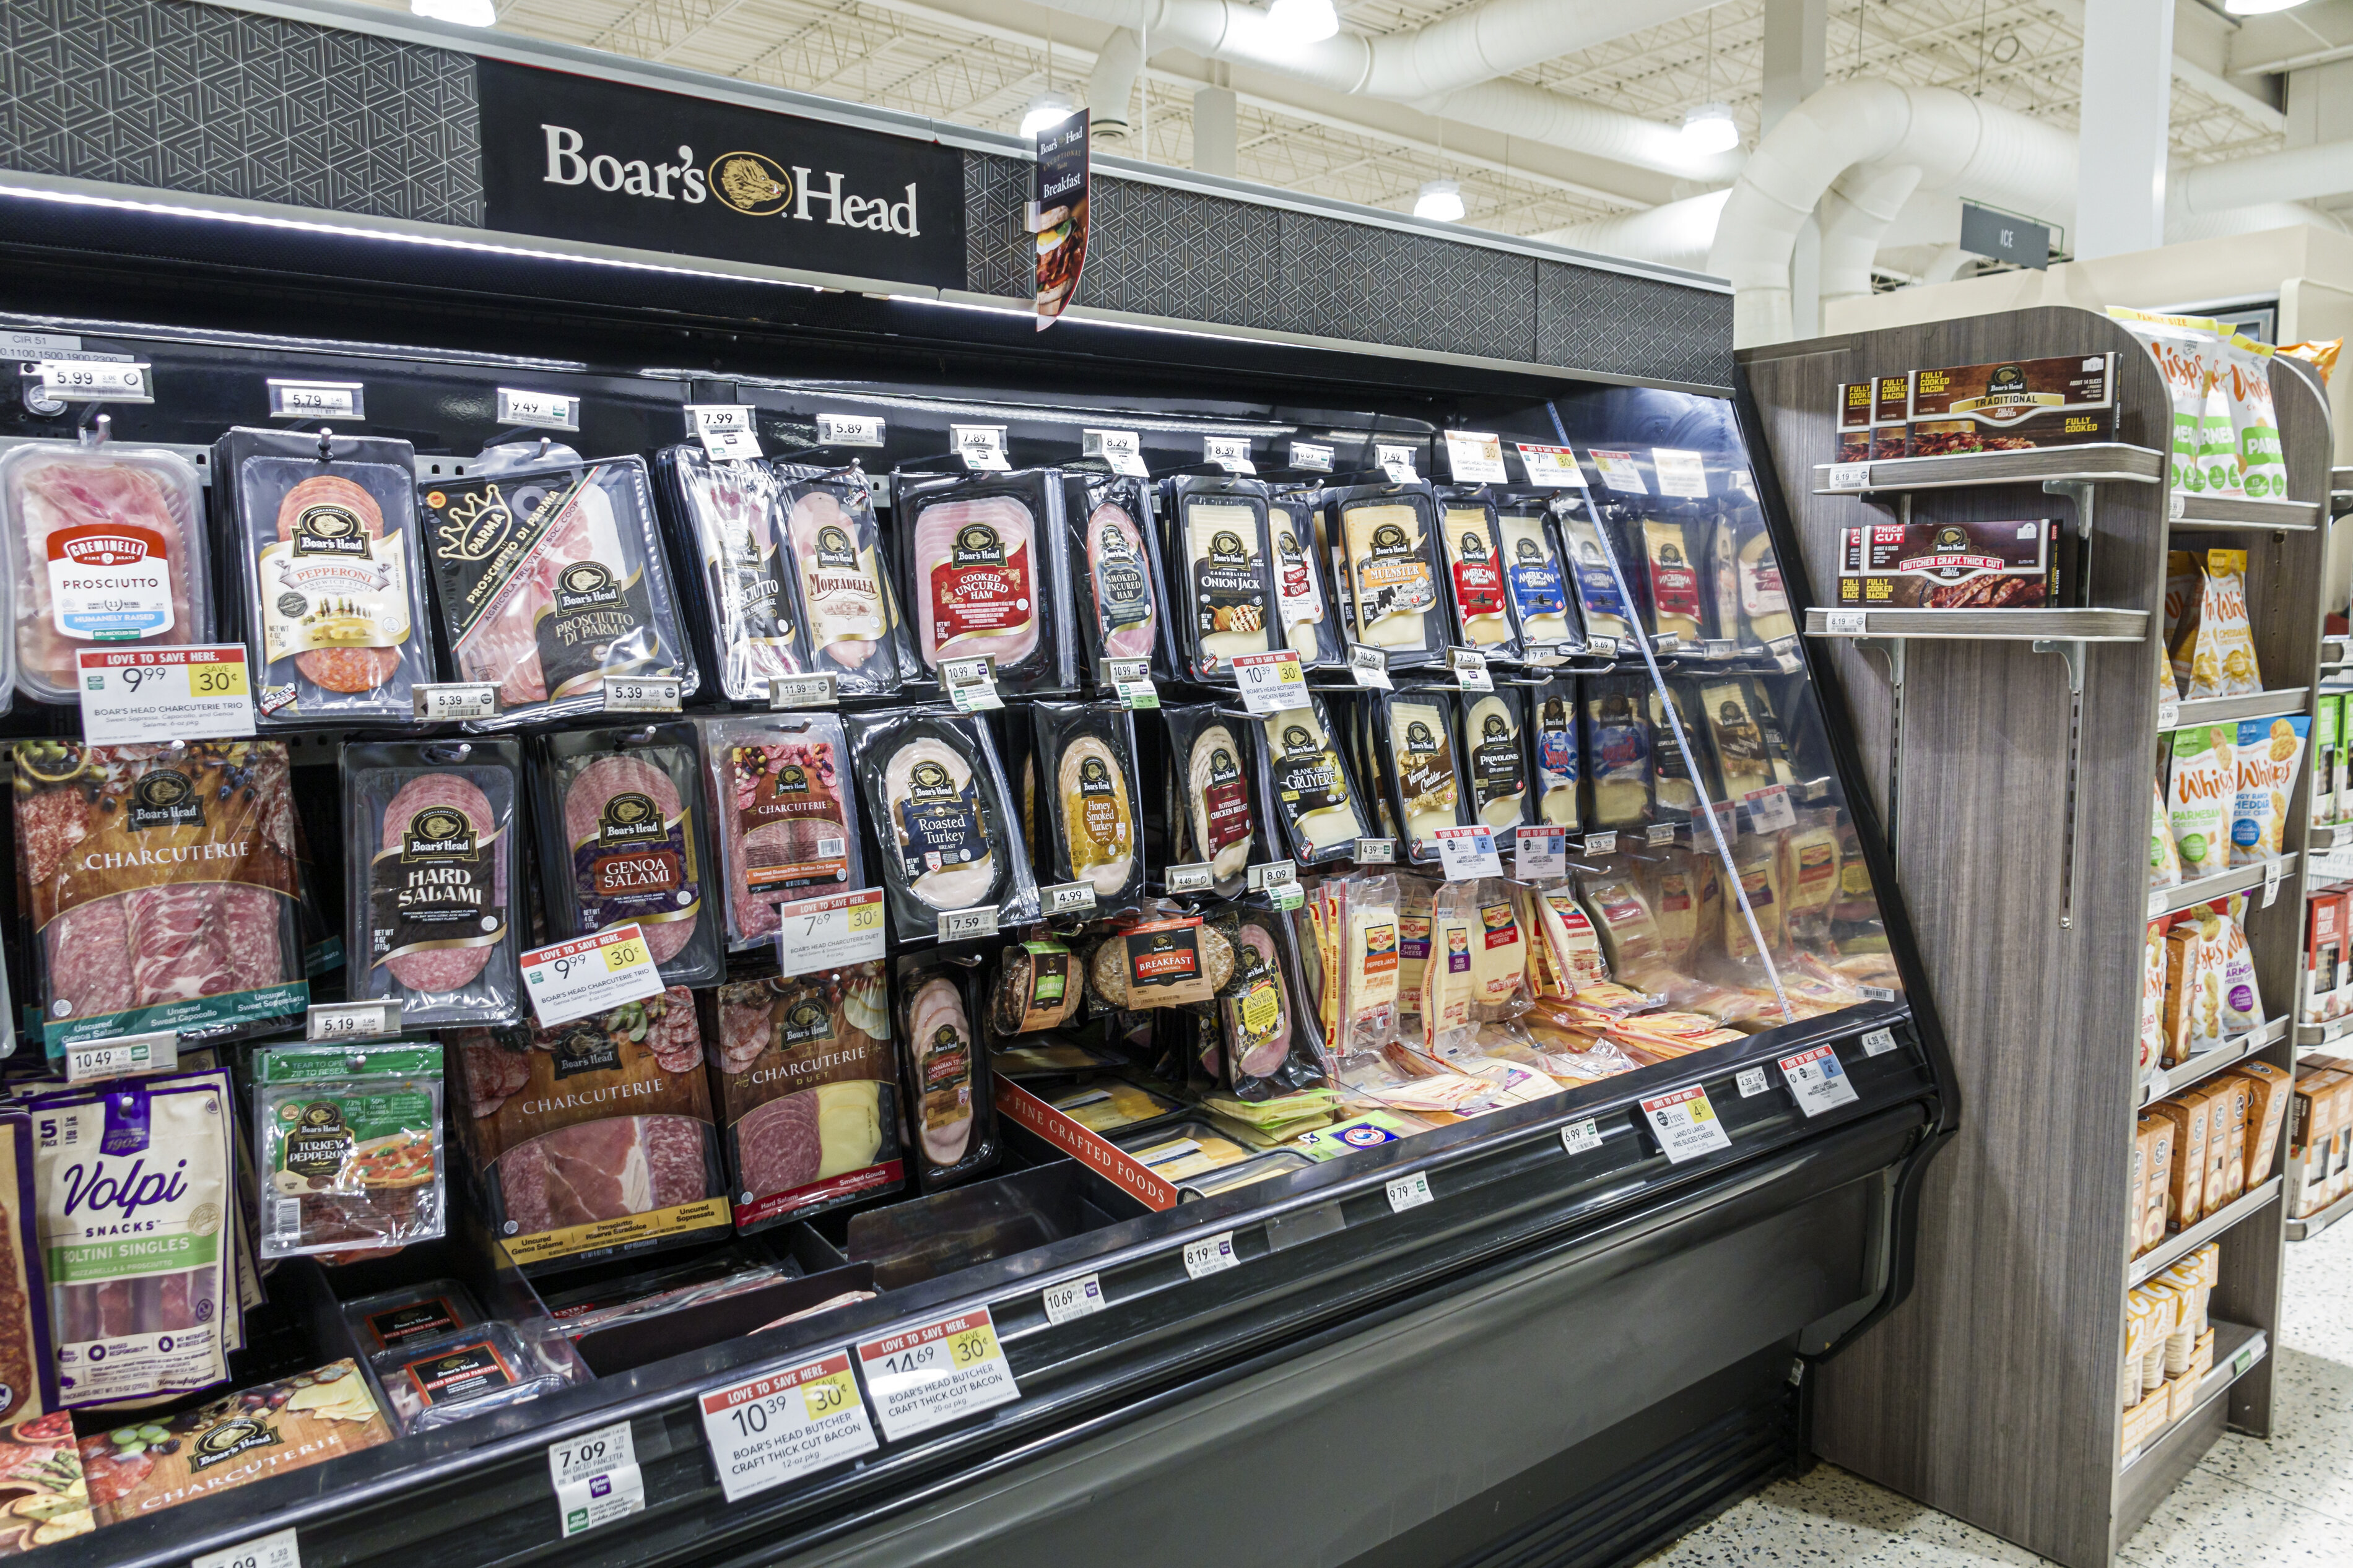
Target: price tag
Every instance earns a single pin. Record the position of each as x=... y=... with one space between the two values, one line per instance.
x=596 y=1478
x=1470 y=667
x=1288 y=896
x=643 y=693
x=1369 y=667
x=15 y=344
x=1848 y=623
x=568 y=980
x=919 y=1378
x=1753 y=1082
x=1785 y=654
x=1716 y=647
x=1376 y=852
x=725 y=429
x=1129 y=679
x=2168 y=715
x=850 y=429
x=2175 y=508
x=1230 y=453
x=1311 y=457
x=1770 y=810
x=1686 y=1122
x=1137 y=695
x=1273 y=874
x=1394 y=461
x=2245 y=1357
x=95 y=380
x=131 y=695
x=1212 y=1255
x=1817 y=1081
x=538 y=410
x=1270 y=682
x=444 y=703
x=1066 y=898
x=1475 y=458
x=1602 y=647
x=2159 y=898
x=122 y=1056
x=1197 y=878
x=2272 y=869
x=786 y=691
x=1657 y=834
x=1122 y=449
x=962 y=925
x=1408 y=1192
x=317 y=399
x=1878 y=1042
x=1849 y=477
x=1620 y=472
x=1555 y=468
x=1467 y=853
x=1680 y=473
x=829 y=932
x=276 y=1550
x=982 y=447
x=1578 y=1137
x=1601 y=843
x=777 y=1428
x=1072 y=1299
x=971 y=683
x=1540 y=854
x=351 y=1020
x=1878 y=993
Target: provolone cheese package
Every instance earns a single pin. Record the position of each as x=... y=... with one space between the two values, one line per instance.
x=1495 y=759
x=2204 y=783
x=2164 y=858
x=2268 y=752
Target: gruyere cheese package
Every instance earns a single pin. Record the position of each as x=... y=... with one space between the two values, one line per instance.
x=1306 y=786
x=2267 y=754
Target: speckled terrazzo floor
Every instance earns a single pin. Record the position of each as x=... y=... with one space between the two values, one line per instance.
x=2248 y=1504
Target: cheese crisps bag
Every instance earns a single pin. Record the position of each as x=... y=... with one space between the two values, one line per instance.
x=2204 y=786
x=2163 y=857
x=2213 y=651
x=2187 y=352
x=2254 y=423
x=2268 y=754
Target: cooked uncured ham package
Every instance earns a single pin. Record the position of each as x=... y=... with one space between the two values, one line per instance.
x=945 y=1067
x=106 y=545
x=1211 y=783
x=1476 y=572
x=622 y=842
x=1224 y=575
x=432 y=881
x=550 y=577
x=1530 y=551
x=1083 y=758
x=936 y=792
x=731 y=522
x=1389 y=535
x=857 y=631
x=1310 y=629
x=808 y=1093
x=162 y=881
x=782 y=810
x=1415 y=733
x=1308 y=787
x=348 y=1144
x=986 y=573
x=1122 y=597
x=1272 y=1044
x=330 y=558
x=594 y=1138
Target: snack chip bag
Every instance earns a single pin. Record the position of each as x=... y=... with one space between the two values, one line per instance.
x=2268 y=752
x=2164 y=859
x=2255 y=422
x=2205 y=779
x=2243 y=1004
x=2213 y=651
x=2187 y=350
x=2195 y=948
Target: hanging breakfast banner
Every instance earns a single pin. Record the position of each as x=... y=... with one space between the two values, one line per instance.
x=1058 y=215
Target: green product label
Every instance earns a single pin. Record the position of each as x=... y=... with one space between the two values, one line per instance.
x=77 y=1262
x=201 y=1013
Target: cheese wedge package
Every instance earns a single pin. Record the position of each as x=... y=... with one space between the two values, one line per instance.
x=1388 y=536
x=1494 y=754
x=1309 y=619
x=1310 y=796
x=1475 y=567
x=1415 y=730
x=1218 y=546
x=1600 y=597
x=1083 y=758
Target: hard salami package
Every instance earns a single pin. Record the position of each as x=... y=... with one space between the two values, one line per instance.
x=945 y=1069
x=1476 y=567
x=162 y=884
x=731 y=526
x=331 y=562
x=807 y=1087
x=1122 y=594
x=594 y=1138
x=783 y=812
x=1311 y=627
x=1388 y=533
x=1210 y=781
x=1221 y=534
x=347 y=1140
x=434 y=878
x=987 y=574
x=621 y=842
x=1081 y=769
x=937 y=796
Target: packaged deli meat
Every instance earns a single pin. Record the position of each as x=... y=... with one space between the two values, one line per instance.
x=434 y=878
x=1495 y=759
x=807 y=1085
x=1272 y=1044
x=987 y=574
x=1388 y=534
x=347 y=1141
x=781 y=810
x=935 y=791
x=858 y=632
x=472 y=1372
x=1122 y=594
x=106 y=545
x=1210 y=781
x=1475 y=565
x=594 y=1138
x=1529 y=548
x=1310 y=796
x=161 y=885
x=1311 y=627
x=2057 y=402
x=946 y=1072
x=1415 y=732
x=1037 y=987
x=1219 y=546
x=27 y=1367
x=622 y=842
x=407 y=1314
x=1950 y=565
x=550 y=577
x=1082 y=760
x=731 y=519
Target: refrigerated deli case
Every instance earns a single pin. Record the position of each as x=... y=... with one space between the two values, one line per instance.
x=1555 y=1330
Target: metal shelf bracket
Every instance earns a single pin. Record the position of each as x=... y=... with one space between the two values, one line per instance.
x=2071 y=650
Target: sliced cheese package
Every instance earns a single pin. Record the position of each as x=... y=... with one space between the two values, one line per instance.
x=1678 y=769
x=1310 y=795
x=1765 y=617
x=1414 y=732
x=1082 y=770
x=1472 y=539
x=1449 y=984
x=1617 y=751
x=1365 y=913
x=1661 y=556
x=1623 y=921
x=1218 y=540
x=1494 y=753
x=1311 y=625
x=1557 y=752
x=1534 y=577
x=2267 y=755
x=1389 y=535
x=1600 y=594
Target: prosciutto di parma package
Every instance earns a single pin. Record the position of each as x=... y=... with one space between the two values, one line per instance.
x=162 y=884
x=1220 y=533
x=1082 y=761
x=106 y=545
x=808 y=1093
x=332 y=563
x=986 y=573
x=1122 y=597
x=27 y=1370
x=782 y=813
x=434 y=878
x=594 y=1138
x=1310 y=628
x=731 y=524
x=1389 y=535
x=622 y=842
x=1485 y=617
x=946 y=1072
x=937 y=796
x=1210 y=780
x=550 y=577
x=856 y=633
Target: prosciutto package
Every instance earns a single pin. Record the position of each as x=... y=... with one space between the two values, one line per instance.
x=781 y=809
x=594 y=1138
x=936 y=792
x=621 y=841
x=331 y=562
x=856 y=631
x=731 y=524
x=163 y=886
x=945 y=1068
x=1122 y=597
x=984 y=577
x=551 y=578
x=434 y=873
x=106 y=545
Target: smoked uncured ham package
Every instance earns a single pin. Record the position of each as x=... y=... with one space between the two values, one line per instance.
x=731 y=524
x=935 y=793
x=621 y=841
x=1272 y=1044
x=162 y=888
x=550 y=577
x=106 y=546
x=1081 y=770
x=783 y=813
x=857 y=631
x=1210 y=782
x=433 y=883
x=1309 y=626
x=807 y=1085
x=328 y=561
x=1224 y=570
x=945 y=1067
x=1469 y=531
x=1389 y=535
x=1122 y=593
x=347 y=1141
x=986 y=573
x=594 y=1138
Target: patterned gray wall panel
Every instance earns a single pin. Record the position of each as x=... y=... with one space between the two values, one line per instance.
x=1198 y=257
x=1623 y=325
x=1343 y=280
x=192 y=98
x=998 y=255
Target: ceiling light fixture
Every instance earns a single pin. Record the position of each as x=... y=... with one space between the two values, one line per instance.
x=1439 y=200
x=1302 y=21
x=464 y=13
x=2259 y=7
x=1046 y=111
x=1710 y=128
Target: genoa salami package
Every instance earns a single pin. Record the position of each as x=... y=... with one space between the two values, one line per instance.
x=946 y=1072
x=731 y=523
x=1209 y=783
x=434 y=878
x=1469 y=530
x=594 y=1138
x=1310 y=628
x=550 y=577
x=332 y=562
x=1122 y=595
x=1388 y=533
x=1218 y=529
x=808 y=1093
x=782 y=813
x=986 y=573
x=857 y=632
x=163 y=886
x=347 y=1140
x=1083 y=758
x=936 y=795
x=621 y=841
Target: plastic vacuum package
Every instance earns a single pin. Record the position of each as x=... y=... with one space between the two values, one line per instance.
x=748 y=625
x=1272 y=1044
x=1218 y=535
x=1389 y=535
x=1211 y=778
x=1310 y=628
x=1494 y=758
x=783 y=814
x=1080 y=777
x=1529 y=547
x=1122 y=594
x=1414 y=732
x=936 y=795
x=1309 y=791
x=1485 y=615
x=348 y=1142
x=432 y=1383
x=945 y=1069
x=987 y=574
x=857 y=632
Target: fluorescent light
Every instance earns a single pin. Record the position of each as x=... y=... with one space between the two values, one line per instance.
x=464 y=13
x=1710 y=128
x=1046 y=111
x=1440 y=200
x=1302 y=21
x=2259 y=7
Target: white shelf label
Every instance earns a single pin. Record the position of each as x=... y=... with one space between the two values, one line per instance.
x=2158 y=899
x=962 y=925
x=1686 y=1123
x=1579 y=1136
x=1770 y=810
x=1620 y=472
x=2168 y=715
x=1270 y=682
x=788 y=692
x=767 y=1430
x=1072 y=1299
x=1878 y=1042
x=1601 y=843
x=982 y=447
x=1555 y=468
x=1369 y=667
x=317 y=399
x=1273 y=874
x=1211 y=1254
x=1467 y=853
x=1230 y=453
x=1376 y=852
x=1197 y=878
x=1311 y=457
x=352 y=1020
x=2176 y=506
x=596 y=1478
x=725 y=429
x=122 y=1056
x=829 y=932
x=1753 y=1082
x=921 y=1377
x=1659 y=832
x=1394 y=461
x=1408 y=1192
x=1602 y=647
x=1067 y=897
x=2272 y=870
x=15 y=344
x=643 y=693
x=1817 y=1081
x=95 y=380
x=850 y=429
x=1122 y=449
x=569 y=980
x=131 y=695
x=1470 y=667
x=538 y=410
x=1539 y=854
x=1475 y=458
x=276 y=1550
x=1849 y=475
x=971 y=683
x=447 y=702
x=1878 y=993
x=1680 y=473
x=1847 y=622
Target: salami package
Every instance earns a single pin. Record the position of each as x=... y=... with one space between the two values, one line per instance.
x=550 y=577
x=946 y=1072
x=1389 y=535
x=935 y=794
x=857 y=632
x=1272 y=1044
x=1223 y=566
x=1552 y=741
x=1415 y=730
x=781 y=809
x=106 y=545
x=731 y=524
x=433 y=879
x=1470 y=530
x=162 y=884
x=1529 y=548
x=1311 y=796
x=1211 y=777
x=1081 y=763
x=987 y=574
x=621 y=842
x=594 y=1138
x=1122 y=597
x=1310 y=628
x=347 y=1140
x=332 y=565
x=1494 y=753
x=807 y=1087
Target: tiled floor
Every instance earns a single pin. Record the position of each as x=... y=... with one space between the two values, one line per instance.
x=2248 y=1504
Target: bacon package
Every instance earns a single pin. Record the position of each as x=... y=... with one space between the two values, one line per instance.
x=781 y=810
x=106 y=545
x=985 y=576
x=946 y=1072
x=731 y=523
x=1950 y=565
x=621 y=842
x=1122 y=597
x=2022 y=403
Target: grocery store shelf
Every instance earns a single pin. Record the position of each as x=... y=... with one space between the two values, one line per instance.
x=2238 y=512
x=2227 y=710
x=2336 y=835
x=2206 y=1064
x=2181 y=1244
x=1984 y=625
x=2238 y=879
x=2340 y=492
x=2238 y=1350
x=2310 y=1035
x=2312 y=1224
x=2116 y=461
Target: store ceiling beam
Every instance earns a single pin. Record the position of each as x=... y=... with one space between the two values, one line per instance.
x=2310 y=35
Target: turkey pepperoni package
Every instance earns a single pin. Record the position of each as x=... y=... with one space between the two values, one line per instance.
x=945 y=1069
x=782 y=812
x=330 y=560
x=433 y=879
x=622 y=841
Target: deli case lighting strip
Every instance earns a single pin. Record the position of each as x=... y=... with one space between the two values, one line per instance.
x=2181 y=1245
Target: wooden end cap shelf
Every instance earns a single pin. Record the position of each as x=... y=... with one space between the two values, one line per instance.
x=2194 y=711
x=2238 y=512
x=2094 y=462
x=2164 y=1081
x=1984 y=625
x=2181 y=1244
x=2235 y=880
x=2312 y=1036
x=2237 y=1350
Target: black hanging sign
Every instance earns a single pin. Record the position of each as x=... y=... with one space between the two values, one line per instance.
x=573 y=157
x=1058 y=215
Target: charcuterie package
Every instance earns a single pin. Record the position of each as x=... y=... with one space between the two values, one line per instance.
x=622 y=842
x=731 y=518
x=945 y=1068
x=987 y=574
x=936 y=795
x=783 y=814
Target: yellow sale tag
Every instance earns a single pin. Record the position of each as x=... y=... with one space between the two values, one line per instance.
x=827 y=1395
x=219 y=680
x=624 y=955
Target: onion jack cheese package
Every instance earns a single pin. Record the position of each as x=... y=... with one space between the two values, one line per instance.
x=1220 y=533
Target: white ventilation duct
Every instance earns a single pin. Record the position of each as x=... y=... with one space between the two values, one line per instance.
x=2297 y=174
x=1677 y=234
x=1112 y=86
